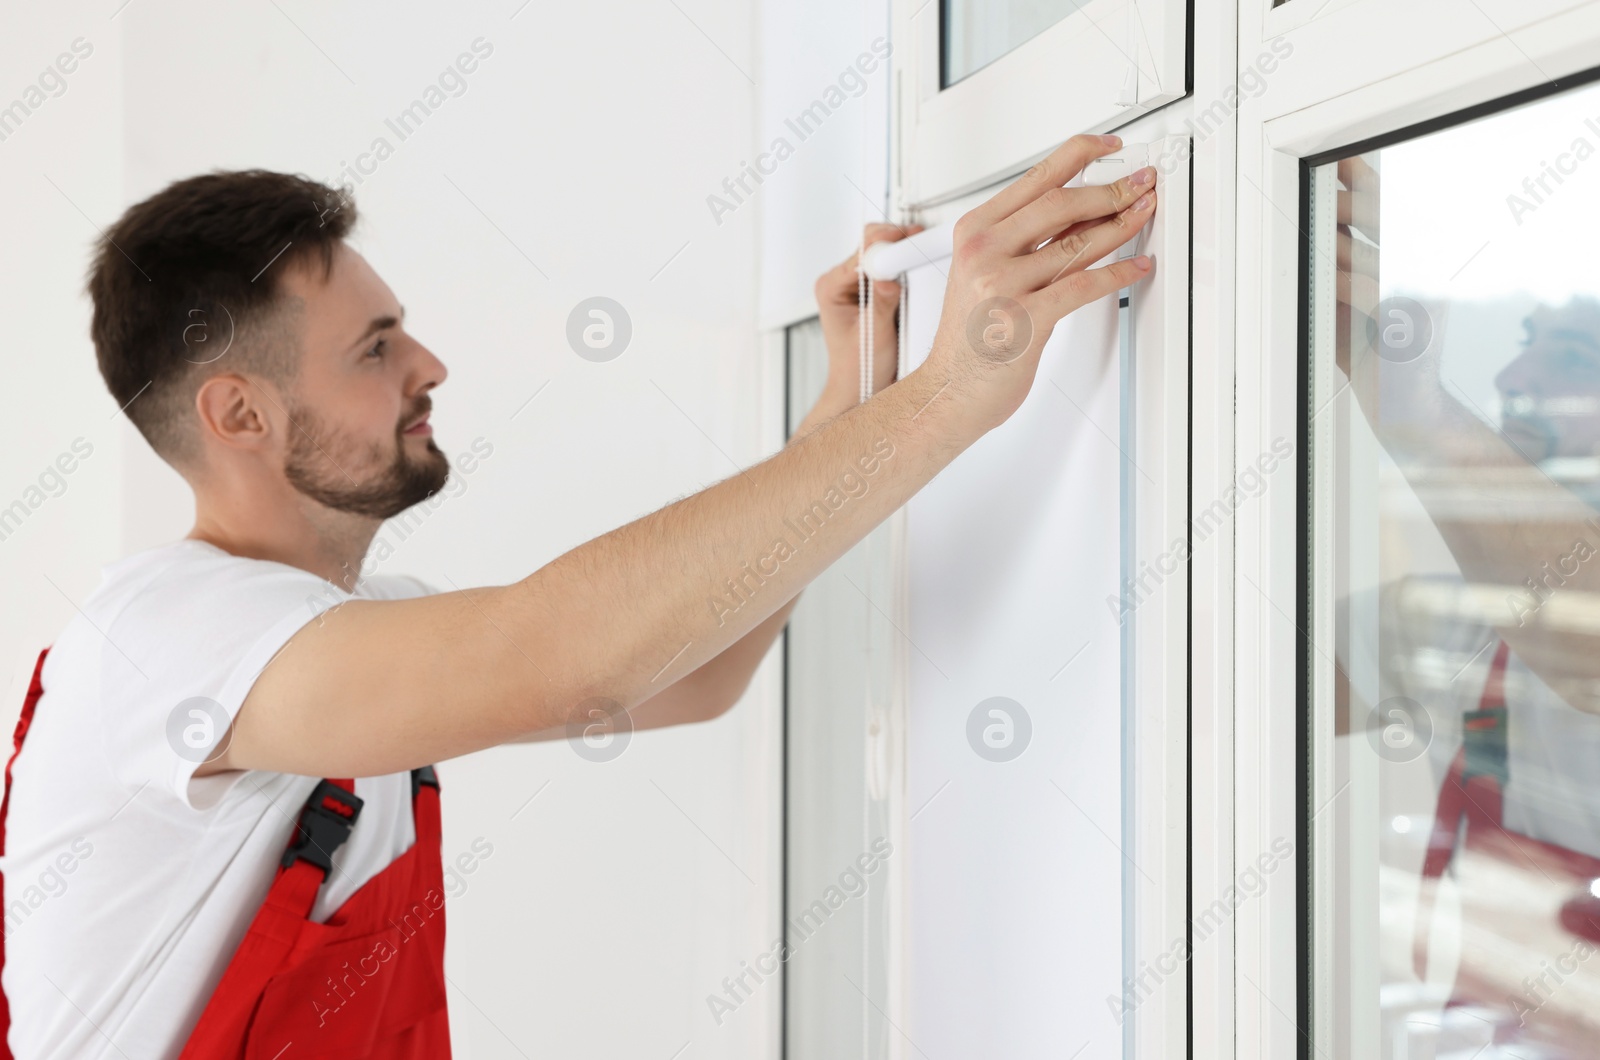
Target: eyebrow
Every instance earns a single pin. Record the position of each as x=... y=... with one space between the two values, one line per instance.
x=1573 y=335
x=376 y=325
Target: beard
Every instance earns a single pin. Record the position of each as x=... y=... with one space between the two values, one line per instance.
x=1533 y=436
x=336 y=471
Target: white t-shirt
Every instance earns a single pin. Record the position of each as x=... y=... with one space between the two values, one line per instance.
x=128 y=884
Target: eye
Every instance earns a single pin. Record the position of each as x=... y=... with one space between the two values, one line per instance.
x=377 y=349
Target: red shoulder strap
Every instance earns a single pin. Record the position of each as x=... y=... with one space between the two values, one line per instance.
x=1457 y=801
x=1454 y=798
x=35 y=690
x=275 y=932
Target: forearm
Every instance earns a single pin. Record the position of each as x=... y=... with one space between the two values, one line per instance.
x=722 y=680
x=1509 y=527
x=704 y=694
x=719 y=683
x=1502 y=517
x=658 y=598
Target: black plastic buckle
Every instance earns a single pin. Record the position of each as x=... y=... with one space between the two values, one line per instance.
x=423 y=775
x=1485 y=740
x=325 y=823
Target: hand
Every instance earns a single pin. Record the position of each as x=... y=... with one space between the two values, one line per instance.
x=838 y=302
x=1411 y=388
x=1021 y=264
x=1356 y=286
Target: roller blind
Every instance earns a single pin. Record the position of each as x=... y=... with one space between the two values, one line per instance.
x=996 y=681
x=1015 y=882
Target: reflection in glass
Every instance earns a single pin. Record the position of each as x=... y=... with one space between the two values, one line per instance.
x=1454 y=407
x=977 y=32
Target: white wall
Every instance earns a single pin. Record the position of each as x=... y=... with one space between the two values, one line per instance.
x=835 y=176
x=620 y=897
x=62 y=162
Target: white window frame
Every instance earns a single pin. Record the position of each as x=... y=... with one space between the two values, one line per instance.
x=1360 y=70
x=1157 y=645
x=930 y=189
x=1103 y=65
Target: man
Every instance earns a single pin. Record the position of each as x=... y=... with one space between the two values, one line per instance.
x=177 y=729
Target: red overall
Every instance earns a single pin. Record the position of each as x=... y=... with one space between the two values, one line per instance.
x=367 y=983
x=1534 y=973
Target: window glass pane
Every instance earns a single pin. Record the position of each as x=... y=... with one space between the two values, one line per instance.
x=1454 y=669
x=977 y=32
x=837 y=863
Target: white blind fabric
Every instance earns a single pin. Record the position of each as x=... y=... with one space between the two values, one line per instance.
x=1015 y=881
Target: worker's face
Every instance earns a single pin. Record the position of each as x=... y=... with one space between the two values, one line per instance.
x=358 y=436
x=1550 y=393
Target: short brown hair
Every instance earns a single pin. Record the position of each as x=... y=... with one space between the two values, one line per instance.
x=201 y=261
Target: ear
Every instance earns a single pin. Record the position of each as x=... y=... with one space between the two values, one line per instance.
x=234 y=412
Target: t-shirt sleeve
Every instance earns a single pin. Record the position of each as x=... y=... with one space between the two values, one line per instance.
x=187 y=651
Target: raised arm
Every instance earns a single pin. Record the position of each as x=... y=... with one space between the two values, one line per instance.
x=717 y=685
x=1518 y=536
x=379 y=686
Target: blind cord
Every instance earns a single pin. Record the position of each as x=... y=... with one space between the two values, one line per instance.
x=866 y=328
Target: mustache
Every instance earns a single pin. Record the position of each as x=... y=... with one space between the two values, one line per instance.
x=422 y=409
x=1531 y=423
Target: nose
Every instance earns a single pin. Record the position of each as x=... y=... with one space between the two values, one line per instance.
x=1518 y=380
x=429 y=370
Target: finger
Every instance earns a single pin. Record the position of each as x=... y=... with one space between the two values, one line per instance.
x=1358 y=292
x=840 y=285
x=1356 y=169
x=1358 y=210
x=1355 y=255
x=885 y=295
x=1062 y=164
x=1078 y=289
x=1059 y=208
x=1070 y=230
x=1356 y=278
x=1077 y=252
x=1357 y=201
